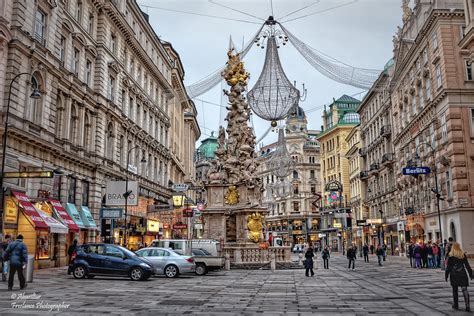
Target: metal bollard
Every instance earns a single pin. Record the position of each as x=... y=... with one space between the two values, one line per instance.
x=272 y=262
x=227 y=261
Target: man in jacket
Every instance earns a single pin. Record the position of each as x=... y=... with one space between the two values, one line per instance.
x=18 y=256
x=366 y=253
x=351 y=255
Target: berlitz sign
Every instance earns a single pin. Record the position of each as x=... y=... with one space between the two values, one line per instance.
x=116 y=189
x=416 y=170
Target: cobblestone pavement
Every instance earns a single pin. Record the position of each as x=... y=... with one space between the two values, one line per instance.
x=393 y=289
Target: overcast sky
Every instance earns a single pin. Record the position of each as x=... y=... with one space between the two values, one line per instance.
x=359 y=34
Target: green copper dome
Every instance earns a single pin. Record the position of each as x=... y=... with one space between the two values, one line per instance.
x=208 y=148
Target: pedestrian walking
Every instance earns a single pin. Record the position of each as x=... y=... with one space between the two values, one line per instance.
x=429 y=254
x=365 y=249
x=384 y=248
x=17 y=255
x=326 y=255
x=447 y=249
x=410 y=254
x=379 y=253
x=71 y=251
x=424 y=255
x=436 y=254
x=372 y=249
x=456 y=270
x=351 y=256
x=3 y=247
x=308 y=262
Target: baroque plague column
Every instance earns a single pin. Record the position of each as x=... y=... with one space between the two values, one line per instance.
x=233 y=214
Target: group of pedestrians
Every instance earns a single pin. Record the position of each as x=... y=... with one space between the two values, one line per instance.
x=424 y=255
x=14 y=257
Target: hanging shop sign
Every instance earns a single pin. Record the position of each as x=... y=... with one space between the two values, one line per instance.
x=180 y=226
x=115 y=191
x=415 y=171
x=153 y=226
x=188 y=212
x=400 y=226
x=111 y=213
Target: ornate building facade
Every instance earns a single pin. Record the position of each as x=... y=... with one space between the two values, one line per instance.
x=338 y=122
x=294 y=218
x=111 y=93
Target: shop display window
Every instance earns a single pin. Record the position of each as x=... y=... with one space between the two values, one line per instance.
x=43 y=245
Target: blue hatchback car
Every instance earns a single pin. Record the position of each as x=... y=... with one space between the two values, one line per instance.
x=108 y=259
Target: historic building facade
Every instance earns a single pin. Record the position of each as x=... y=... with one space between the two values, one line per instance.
x=294 y=218
x=432 y=103
x=111 y=93
x=338 y=122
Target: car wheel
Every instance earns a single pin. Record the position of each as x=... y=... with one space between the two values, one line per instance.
x=171 y=271
x=201 y=269
x=79 y=272
x=136 y=274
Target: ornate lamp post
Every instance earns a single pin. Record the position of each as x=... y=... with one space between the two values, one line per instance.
x=436 y=192
x=34 y=95
x=128 y=192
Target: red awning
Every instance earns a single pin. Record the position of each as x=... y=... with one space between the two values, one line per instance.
x=64 y=216
x=30 y=211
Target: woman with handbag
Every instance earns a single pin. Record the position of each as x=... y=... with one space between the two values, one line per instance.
x=456 y=270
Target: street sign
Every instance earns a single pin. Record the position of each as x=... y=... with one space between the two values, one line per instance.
x=412 y=171
x=29 y=174
x=180 y=187
x=180 y=226
x=110 y=213
x=187 y=212
x=158 y=208
x=115 y=191
x=361 y=222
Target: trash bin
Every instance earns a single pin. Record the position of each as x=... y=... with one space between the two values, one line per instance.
x=28 y=272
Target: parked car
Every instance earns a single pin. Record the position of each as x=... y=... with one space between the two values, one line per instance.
x=167 y=261
x=206 y=262
x=108 y=259
x=183 y=246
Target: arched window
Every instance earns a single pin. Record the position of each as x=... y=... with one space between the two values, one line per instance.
x=74 y=125
x=35 y=113
x=295 y=174
x=452 y=229
x=109 y=141
x=87 y=132
x=59 y=116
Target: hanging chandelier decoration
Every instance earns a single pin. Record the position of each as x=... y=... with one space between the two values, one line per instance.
x=273 y=95
x=280 y=163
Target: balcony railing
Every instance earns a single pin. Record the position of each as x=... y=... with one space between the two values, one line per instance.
x=388 y=158
x=385 y=131
x=364 y=174
x=310 y=144
x=374 y=167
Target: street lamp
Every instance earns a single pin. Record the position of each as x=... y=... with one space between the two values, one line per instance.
x=128 y=192
x=435 y=191
x=36 y=94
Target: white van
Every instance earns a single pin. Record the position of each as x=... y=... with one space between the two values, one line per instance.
x=183 y=246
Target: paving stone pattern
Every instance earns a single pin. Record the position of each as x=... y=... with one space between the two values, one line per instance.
x=393 y=289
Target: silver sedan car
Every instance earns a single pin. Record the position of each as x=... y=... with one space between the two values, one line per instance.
x=166 y=261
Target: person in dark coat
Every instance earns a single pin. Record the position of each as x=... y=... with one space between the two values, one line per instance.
x=308 y=263
x=365 y=249
x=372 y=249
x=424 y=255
x=326 y=255
x=351 y=256
x=71 y=250
x=456 y=270
x=18 y=257
x=417 y=255
x=410 y=253
x=379 y=253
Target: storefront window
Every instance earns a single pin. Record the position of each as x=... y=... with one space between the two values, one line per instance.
x=43 y=244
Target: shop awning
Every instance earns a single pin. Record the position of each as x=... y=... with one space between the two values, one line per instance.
x=72 y=211
x=54 y=225
x=30 y=211
x=87 y=218
x=59 y=209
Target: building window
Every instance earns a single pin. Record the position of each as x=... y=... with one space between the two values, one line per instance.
x=62 y=48
x=90 y=26
x=311 y=174
x=295 y=174
x=296 y=206
x=468 y=70
x=85 y=193
x=472 y=122
x=444 y=128
x=313 y=188
x=74 y=125
x=87 y=132
x=425 y=56
x=88 y=77
x=111 y=88
x=428 y=88
x=413 y=100
x=449 y=184
x=40 y=26
x=422 y=97
x=439 y=79
x=113 y=41
x=71 y=192
x=296 y=188
x=79 y=11
x=433 y=136
x=434 y=39
x=75 y=62
x=35 y=108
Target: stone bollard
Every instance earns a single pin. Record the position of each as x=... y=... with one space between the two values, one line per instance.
x=272 y=262
x=300 y=259
x=227 y=261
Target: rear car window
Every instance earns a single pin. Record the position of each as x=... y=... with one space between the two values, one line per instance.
x=97 y=249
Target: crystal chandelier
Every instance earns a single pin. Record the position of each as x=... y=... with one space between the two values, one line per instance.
x=280 y=163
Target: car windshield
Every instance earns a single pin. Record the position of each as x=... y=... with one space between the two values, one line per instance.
x=207 y=253
x=126 y=251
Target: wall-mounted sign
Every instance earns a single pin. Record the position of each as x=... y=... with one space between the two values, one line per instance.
x=361 y=222
x=111 y=213
x=116 y=189
x=374 y=221
x=187 y=212
x=11 y=211
x=333 y=185
x=180 y=187
x=180 y=226
x=415 y=171
x=153 y=226
x=337 y=225
x=29 y=174
x=401 y=226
